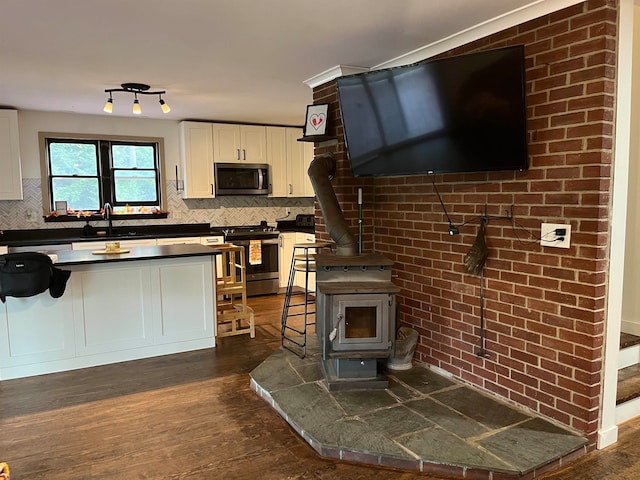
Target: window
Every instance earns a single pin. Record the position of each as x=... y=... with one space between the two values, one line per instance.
x=87 y=173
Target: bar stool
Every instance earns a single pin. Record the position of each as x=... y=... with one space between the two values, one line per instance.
x=299 y=312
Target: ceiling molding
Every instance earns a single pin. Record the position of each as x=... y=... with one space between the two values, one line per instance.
x=332 y=73
x=518 y=16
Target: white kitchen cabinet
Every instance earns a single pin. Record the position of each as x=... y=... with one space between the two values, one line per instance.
x=286 y=242
x=37 y=330
x=182 y=300
x=299 y=157
x=115 y=301
x=277 y=160
x=196 y=157
x=4 y=250
x=178 y=241
x=124 y=244
x=289 y=160
x=239 y=143
x=11 y=177
x=285 y=252
x=306 y=238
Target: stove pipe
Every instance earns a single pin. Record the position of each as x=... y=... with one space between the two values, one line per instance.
x=321 y=171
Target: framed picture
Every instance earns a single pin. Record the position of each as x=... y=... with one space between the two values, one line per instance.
x=61 y=207
x=316 y=123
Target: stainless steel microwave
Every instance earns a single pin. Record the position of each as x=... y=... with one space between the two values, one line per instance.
x=242 y=178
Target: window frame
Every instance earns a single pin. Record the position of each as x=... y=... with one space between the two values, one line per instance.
x=106 y=185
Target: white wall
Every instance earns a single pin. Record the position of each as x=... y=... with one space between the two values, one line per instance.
x=31 y=123
x=630 y=298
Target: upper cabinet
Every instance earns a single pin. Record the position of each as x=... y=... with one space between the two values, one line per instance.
x=299 y=157
x=289 y=161
x=277 y=160
x=11 y=178
x=196 y=155
x=239 y=143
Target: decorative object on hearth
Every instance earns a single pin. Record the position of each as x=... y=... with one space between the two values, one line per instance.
x=136 y=89
x=403 y=349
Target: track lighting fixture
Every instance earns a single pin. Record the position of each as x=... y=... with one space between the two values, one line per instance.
x=136 y=89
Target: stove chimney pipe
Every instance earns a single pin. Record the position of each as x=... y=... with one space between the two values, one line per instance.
x=321 y=171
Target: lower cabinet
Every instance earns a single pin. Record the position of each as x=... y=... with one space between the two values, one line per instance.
x=178 y=241
x=182 y=300
x=285 y=250
x=115 y=302
x=36 y=330
x=286 y=242
x=110 y=312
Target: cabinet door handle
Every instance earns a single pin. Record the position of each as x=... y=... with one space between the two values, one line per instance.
x=237 y=154
x=212 y=192
x=244 y=154
x=290 y=189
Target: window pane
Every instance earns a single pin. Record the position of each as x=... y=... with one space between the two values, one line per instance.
x=73 y=158
x=133 y=156
x=134 y=186
x=79 y=193
x=360 y=322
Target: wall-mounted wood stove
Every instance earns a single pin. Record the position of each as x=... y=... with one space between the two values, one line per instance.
x=355 y=318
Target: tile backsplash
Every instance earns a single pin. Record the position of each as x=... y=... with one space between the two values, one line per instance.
x=221 y=211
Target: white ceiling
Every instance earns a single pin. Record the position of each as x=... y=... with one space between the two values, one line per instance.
x=224 y=60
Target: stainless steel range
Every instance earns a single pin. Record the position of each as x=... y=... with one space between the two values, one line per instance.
x=260 y=244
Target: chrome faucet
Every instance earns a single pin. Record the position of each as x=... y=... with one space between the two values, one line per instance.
x=108 y=213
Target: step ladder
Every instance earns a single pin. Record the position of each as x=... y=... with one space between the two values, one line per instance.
x=233 y=315
x=298 y=312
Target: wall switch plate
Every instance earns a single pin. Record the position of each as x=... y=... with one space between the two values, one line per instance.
x=549 y=237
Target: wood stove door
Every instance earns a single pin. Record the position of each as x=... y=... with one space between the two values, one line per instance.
x=362 y=321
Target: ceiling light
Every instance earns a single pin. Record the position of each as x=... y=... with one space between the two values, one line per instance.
x=108 y=107
x=136 y=89
x=136 y=106
x=165 y=108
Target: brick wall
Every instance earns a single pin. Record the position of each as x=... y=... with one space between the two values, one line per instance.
x=545 y=307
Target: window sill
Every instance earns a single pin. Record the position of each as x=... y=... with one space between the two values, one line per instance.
x=116 y=216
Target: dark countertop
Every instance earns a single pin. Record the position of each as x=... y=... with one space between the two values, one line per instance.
x=86 y=257
x=295 y=226
x=57 y=236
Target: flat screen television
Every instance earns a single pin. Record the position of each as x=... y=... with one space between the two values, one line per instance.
x=459 y=114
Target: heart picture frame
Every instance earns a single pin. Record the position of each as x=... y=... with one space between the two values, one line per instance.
x=317 y=118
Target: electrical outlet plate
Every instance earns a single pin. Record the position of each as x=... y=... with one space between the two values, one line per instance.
x=548 y=237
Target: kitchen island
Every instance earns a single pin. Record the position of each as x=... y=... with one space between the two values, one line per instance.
x=145 y=302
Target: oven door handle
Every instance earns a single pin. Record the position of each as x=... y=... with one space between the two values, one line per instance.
x=242 y=243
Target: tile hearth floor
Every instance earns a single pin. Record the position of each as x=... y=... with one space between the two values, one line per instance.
x=423 y=422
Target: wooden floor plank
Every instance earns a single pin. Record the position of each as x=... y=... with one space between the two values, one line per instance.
x=192 y=416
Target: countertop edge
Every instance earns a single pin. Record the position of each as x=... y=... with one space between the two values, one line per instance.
x=151 y=252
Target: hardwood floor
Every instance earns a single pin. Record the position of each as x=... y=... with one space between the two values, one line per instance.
x=191 y=416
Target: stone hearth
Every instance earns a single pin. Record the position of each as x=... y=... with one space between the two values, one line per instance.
x=422 y=422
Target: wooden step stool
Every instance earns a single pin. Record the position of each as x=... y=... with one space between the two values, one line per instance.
x=234 y=316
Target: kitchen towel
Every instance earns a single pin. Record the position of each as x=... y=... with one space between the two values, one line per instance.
x=255 y=252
